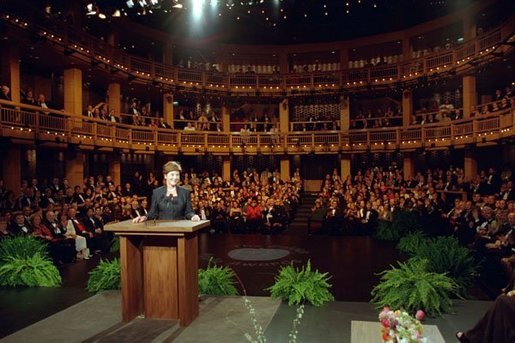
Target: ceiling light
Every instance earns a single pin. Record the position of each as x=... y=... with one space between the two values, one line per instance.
x=177 y=6
x=117 y=13
x=130 y=3
x=102 y=16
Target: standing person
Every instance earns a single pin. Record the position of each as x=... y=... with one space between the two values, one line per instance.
x=170 y=201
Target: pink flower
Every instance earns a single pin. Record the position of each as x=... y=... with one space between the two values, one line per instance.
x=420 y=315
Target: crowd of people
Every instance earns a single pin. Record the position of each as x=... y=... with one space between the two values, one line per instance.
x=378 y=118
x=72 y=219
x=485 y=222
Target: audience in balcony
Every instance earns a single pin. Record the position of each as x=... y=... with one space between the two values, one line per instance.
x=5 y=93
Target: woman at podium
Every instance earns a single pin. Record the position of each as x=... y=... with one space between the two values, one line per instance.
x=170 y=202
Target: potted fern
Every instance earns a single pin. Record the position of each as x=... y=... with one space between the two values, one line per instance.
x=105 y=276
x=215 y=280
x=300 y=285
x=412 y=287
x=24 y=261
x=447 y=255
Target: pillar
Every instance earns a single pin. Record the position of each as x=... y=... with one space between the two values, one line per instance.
x=11 y=71
x=114 y=100
x=344 y=113
x=167 y=53
x=168 y=114
x=74 y=169
x=113 y=38
x=226 y=119
x=73 y=91
x=285 y=168
x=470 y=165
x=407 y=107
x=115 y=168
x=345 y=167
x=408 y=165
x=344 y=59
x=226 y=168
x=406 y=49
x=284 y=117
x=469 y=28
x=469 y=94
x=12 y=169
x=283 y=62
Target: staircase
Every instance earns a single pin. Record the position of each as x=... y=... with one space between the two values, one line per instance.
x=299 y=223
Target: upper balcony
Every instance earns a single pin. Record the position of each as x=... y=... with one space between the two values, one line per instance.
x=25 y=124
x=92 y=51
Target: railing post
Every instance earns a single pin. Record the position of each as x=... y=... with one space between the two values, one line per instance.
x=398 y=137
x=179 y=139
x=95 y=130
x=206 y=140
x=130 y=136
x=313 y=141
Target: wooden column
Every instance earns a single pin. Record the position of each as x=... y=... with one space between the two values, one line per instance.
x=115 y=98
x=344 y=58
x=283 y=62
x=168 y=113
x=344 y=113
x=470 y=165
x=73 y=91
x=11 y=71
x=115 y=168
x=407 y=107
x=167 y=53
x=285 y=168
x=406 y=49
x=75 y=168
x=226 y=119
x=469 y=94
x=12 y=169
x=469 y=28
x=345 y=166
x=284 y=117
x=408 y=165
x=226 y=168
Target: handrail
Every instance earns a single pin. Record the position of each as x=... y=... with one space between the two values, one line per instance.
x=145 y=70
x=26 y=123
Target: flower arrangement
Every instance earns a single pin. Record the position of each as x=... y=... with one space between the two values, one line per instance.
x=400 y=327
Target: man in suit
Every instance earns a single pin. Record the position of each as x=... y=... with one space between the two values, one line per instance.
x=170 y=201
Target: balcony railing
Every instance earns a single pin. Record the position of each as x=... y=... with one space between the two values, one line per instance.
x=25 y=123
x=90 y=48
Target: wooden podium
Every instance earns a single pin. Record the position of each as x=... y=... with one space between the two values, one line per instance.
x=159 y=268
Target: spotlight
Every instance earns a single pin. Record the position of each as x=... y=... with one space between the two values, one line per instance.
x=179 y=6
x=130 y=4
x=102 y=16
x=91 y=9
x=117 y=14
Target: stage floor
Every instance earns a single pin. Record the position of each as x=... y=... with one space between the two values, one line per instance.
x=223 y=319
x=353 y=262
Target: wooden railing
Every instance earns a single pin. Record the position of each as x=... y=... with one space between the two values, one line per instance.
x=28 y=124
x=90 y=48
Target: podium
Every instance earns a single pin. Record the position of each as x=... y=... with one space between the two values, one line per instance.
x=159 y=268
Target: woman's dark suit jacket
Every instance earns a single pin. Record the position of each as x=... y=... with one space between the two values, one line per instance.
x=168 y=207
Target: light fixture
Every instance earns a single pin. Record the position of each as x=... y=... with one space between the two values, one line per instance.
x=117 y=14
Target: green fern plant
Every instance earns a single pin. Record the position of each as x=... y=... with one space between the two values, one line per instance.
x=115 y=244
x=447 y=255
x=297 y=286
x=402 y=224
x=412 y=287
x=215 y=280
x=105 y=276
x=411 y=243
x=22 y=247
x=384 y=232
x=33 y=271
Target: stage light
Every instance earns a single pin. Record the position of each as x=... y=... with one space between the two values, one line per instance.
x=102 y=16
x=179 y=6
x=91 y=10
x=197 y=8
x=117 y=14
x=130 y=4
